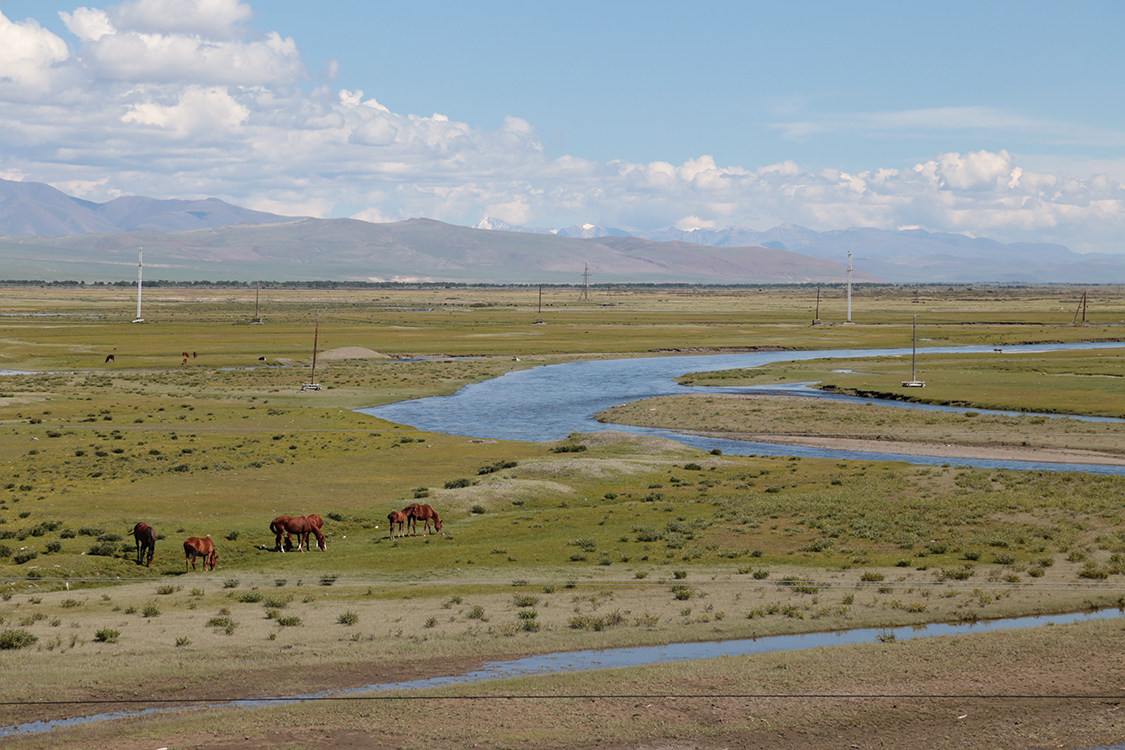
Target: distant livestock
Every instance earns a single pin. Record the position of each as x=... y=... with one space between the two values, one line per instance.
x=145 y=537
x=301 y=527
x=195 y=547
x=399 y=518
x=415 y=512
x=109 y=358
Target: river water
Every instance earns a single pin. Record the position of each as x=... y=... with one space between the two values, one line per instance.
x=580 y=661
x=550 y=402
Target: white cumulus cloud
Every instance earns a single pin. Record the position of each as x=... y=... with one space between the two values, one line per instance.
x=28 y=53
x=185 y=98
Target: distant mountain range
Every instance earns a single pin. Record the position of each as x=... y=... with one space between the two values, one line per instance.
x=905 y=256
x=46 y=234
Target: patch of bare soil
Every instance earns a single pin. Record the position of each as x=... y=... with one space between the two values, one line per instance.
x=350 y=352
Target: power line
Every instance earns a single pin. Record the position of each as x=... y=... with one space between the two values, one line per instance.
x=217 y=703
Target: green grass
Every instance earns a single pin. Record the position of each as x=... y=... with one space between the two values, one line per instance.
x=91 y=449
x=1063 y=382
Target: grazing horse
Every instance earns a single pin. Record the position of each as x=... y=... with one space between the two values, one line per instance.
x=397 y=517
x=415 y=513
x=195 y=547
x=317 y=528
x=146 y=542
x=302 y=527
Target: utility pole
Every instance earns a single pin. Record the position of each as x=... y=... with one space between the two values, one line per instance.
x=257 y=291
x=585 y=283
x=849 y=320
x=140 y=267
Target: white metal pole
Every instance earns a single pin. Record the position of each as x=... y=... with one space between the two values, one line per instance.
x=140 y=269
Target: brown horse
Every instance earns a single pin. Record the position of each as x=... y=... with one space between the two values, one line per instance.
x=302 y=527
x=145 y=537
x=397 y=517
x=195 y=547
x=415 y=513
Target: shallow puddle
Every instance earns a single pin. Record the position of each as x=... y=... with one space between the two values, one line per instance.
x=579 y=661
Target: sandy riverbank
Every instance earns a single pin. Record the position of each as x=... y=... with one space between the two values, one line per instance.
x=924 y=448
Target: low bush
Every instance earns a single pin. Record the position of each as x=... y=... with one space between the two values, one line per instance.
x=13 y=639
x=107 y=635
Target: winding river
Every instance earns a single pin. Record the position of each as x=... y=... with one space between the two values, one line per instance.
x=550 y=402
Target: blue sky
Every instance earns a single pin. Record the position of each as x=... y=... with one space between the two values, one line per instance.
x=996 y=119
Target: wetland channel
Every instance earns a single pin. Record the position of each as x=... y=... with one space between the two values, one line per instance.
x=580 y=661
x=550 y=402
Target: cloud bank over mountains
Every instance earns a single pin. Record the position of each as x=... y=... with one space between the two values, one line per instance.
x=188 y=98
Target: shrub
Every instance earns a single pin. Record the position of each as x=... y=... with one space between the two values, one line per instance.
x=150 y=611
x=525 y=600
x=107 y=635
x=183 y=641
x=455 y=484
x=54 y=546
x=871 y=575
x=250 y=597
x=568 y=449
x=683 y=593
x=476 y=612
x=13 y=639
x=1091 y=570
x=25 y=555
x=498 y=466
x=798 y=585
x=348 y=618
x=103 y=549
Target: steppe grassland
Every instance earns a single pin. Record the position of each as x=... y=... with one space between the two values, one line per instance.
x=1086 y=382
x=618 y=532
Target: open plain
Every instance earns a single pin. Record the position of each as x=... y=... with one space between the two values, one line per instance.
x=195 y=421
